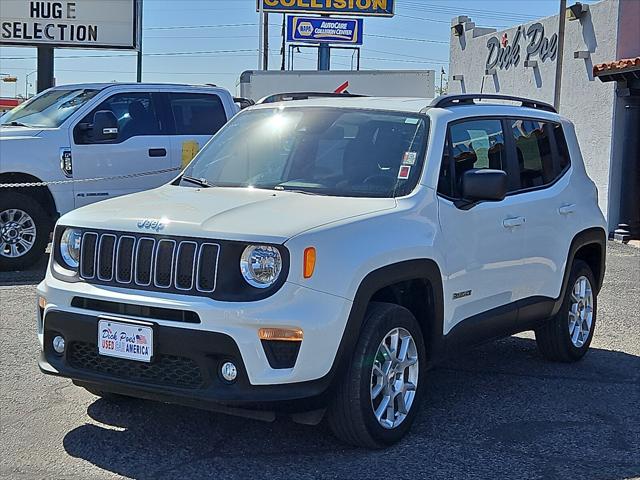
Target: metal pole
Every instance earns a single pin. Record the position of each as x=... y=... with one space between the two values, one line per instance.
x=265 y=41
x=283 y=40
x=324 y=54
x=441 y=77
x=260 y=34
x=561 y=26
x=139 y=60
x=45 y=68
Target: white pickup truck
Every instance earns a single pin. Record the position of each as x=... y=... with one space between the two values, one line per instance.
x=76 y=144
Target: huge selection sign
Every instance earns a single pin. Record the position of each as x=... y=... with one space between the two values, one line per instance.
x=324 y=30
x=77 y=23
x=381 y=8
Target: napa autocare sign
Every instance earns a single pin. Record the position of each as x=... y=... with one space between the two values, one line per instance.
x=380 y=8
x=324 y=30
x=77 y=23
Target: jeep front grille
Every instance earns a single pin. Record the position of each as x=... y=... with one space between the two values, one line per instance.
x=149 y=263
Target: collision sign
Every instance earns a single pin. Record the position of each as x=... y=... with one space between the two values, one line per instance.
x=324 y=30
x=380 y=8
x=77 y=23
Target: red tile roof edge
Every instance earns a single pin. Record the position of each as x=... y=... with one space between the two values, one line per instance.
x=615 y=65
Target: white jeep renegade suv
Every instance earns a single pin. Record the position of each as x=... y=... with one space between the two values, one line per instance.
x=322 y=254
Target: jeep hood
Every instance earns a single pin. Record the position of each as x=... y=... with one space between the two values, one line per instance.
x=242 y=214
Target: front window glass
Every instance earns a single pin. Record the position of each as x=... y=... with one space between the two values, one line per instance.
x=327 y=151
x=49 y=109
x=477 y=144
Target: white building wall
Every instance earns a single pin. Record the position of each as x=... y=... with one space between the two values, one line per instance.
x=585 y=100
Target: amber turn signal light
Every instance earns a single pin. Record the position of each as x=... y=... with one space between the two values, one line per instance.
x=282 y=334
x=42 y=302
x=309 y=262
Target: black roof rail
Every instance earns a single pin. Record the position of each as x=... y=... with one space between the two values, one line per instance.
x=444 y=101
x=286 y=97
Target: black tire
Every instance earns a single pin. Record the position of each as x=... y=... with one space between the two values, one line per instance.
x=43 y=226
x=553 y=338
x=350 y=414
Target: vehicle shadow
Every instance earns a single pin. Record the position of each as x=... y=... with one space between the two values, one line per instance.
x=31 y=276
x=498 y=412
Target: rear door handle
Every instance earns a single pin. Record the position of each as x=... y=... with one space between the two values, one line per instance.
x=567 y=209
x=157 y=152
x=513 y=222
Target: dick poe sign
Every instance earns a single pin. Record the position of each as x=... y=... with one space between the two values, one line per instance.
x=370 y=8
x=324 y=30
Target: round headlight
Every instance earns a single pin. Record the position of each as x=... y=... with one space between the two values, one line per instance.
x=70 y=247
x=260 y=265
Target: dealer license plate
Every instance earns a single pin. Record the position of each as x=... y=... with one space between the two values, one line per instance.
x=132 y=341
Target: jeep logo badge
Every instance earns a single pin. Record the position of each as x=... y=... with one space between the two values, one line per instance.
x=148 y=224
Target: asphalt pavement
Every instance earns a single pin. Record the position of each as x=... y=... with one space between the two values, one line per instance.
x=498 y=412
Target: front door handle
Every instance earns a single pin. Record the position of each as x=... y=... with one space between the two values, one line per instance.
x=567 y=209
x=157 y=152
x=513 y=222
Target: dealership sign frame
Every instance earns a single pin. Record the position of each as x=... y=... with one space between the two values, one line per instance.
x=316 y=30
x=362 y=8
x=92 y=24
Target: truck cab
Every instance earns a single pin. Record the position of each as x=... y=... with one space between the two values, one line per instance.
x=73 y=145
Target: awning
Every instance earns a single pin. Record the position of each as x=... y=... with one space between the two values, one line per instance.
x=625 y=69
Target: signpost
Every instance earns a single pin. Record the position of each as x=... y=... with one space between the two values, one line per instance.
x=112 y=24
x=327 y=29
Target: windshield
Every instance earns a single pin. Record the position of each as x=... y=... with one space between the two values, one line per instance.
x=48 y=109
x=326 y=151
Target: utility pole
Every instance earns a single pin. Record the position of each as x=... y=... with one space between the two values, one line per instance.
x=441 y=78
x=139 y=60
x=265 y=41
x=562 y=20
x=284 y=20
x=260 y=33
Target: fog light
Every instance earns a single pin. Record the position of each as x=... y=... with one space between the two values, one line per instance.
x=229 y=371
x=58 y=344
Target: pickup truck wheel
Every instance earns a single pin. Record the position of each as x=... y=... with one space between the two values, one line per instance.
x=376 y=400
x=24 y=231
x=567 y=336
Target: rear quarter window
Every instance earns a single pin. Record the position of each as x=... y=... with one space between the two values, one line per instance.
x=197 y=113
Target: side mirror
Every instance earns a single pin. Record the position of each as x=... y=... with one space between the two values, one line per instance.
x=105 y=126
x=484 y=184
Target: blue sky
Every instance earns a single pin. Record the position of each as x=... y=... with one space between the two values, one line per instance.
x=213 y=41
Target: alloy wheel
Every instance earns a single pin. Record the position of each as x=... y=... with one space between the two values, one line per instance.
x=580 y=312
x=394 y=378
x=17 y=233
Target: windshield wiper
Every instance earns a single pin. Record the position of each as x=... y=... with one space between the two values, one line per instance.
x=198 y=181
x=283 y=188
x=16 y=124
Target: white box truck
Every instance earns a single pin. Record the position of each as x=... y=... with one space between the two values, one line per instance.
x=257 y=84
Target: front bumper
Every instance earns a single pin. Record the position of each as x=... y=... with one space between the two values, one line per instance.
x=184 y=370
x=187 y=356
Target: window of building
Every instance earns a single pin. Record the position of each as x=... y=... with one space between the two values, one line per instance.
x=197 y=113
